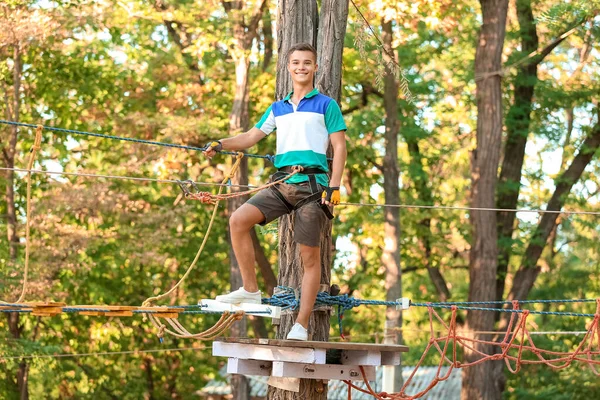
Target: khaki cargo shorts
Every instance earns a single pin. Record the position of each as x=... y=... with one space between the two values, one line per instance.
x=309 y=220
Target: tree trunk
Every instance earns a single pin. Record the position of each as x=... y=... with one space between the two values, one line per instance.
x=420 y=179
x=528 y=271
x=9 y=153
x=517 y=128
x=392 y=376
x=244 y=34
x=330 y=42
x=297 y=22
x=484 y=250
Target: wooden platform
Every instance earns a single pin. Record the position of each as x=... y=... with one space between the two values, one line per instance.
x=311 y=359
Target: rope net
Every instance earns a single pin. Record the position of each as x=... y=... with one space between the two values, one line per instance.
x=517 y=343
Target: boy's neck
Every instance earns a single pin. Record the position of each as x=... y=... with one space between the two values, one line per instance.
x=300 y=91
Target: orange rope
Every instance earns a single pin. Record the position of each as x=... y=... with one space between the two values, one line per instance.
x=209 y=198
x=517 y=339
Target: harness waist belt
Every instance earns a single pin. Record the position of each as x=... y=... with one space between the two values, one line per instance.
x=305 y=171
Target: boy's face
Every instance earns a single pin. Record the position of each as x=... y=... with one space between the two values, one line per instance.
x=302 y=67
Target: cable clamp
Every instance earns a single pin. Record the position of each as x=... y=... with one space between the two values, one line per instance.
x=403 y=303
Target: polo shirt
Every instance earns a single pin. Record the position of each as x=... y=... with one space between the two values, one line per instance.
x=303 y=132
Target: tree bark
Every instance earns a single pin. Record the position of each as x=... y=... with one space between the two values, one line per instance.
x=518 y=123
x=267 y=31
x=332 y=30
x=392 y=376
x=244 y=33
x=528 y=271
x=297 y=22
x=484 y=251
x=9 y=153
x=420 y=179
x=517 y=127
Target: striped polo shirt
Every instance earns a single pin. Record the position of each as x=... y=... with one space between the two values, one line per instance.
x=303 y=132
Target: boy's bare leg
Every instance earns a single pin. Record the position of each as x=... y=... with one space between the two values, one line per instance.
x=240 y=223
x=311 y=258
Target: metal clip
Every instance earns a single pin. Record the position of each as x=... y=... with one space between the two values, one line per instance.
x=185 y=187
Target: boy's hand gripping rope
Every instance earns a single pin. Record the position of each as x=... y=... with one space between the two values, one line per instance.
x=33 y=152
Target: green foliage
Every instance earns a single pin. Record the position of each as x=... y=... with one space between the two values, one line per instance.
x=116 y=68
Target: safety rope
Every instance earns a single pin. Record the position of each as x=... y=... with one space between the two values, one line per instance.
x=148 y=302
x=227 y=319
x=33 y=152
x=126 y=139
x=209 y=198
x=402 y=206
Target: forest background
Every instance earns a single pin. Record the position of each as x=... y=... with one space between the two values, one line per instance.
x=165 y=71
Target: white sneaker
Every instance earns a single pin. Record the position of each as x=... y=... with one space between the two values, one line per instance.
x=240 y=296
x=298 y=332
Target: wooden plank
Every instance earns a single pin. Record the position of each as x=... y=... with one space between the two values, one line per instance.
x=360 y=357
x=319 y=345
x=390 y=358
x=328 y=371
x=46 y=311
x=124 y=313
x=165 y=315
x=268 y=353
x=248 y=367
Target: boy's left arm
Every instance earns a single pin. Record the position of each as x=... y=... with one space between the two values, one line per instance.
x=338 y=142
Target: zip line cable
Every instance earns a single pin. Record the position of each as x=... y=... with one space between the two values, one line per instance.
x=408 y=206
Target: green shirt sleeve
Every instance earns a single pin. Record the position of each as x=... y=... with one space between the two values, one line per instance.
x=267 y=122
x=334 y=121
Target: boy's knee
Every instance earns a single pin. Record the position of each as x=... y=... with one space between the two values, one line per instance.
x=237 y=222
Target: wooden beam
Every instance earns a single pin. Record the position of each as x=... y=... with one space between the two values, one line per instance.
x=269 y=353
x=314 y=371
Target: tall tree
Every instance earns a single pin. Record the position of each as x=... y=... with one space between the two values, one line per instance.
x=390 y=257
x=485 y=159
x=297 y=22
x=245 y=29
x=518 y=121
x=21 y=27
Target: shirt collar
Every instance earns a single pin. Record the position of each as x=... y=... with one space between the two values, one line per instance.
x=308 y=95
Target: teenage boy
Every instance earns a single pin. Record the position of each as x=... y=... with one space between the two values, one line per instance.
x=306 y=122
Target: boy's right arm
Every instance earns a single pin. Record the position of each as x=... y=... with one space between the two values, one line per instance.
x=239 y=142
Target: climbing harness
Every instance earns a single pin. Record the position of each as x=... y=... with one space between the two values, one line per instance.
x=316 y=191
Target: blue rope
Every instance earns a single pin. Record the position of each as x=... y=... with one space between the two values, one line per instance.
x=126 y=139
x=287 y=300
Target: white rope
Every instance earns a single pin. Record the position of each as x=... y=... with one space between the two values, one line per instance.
x=525 y=210
x=131 y=178
x=411 y=206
